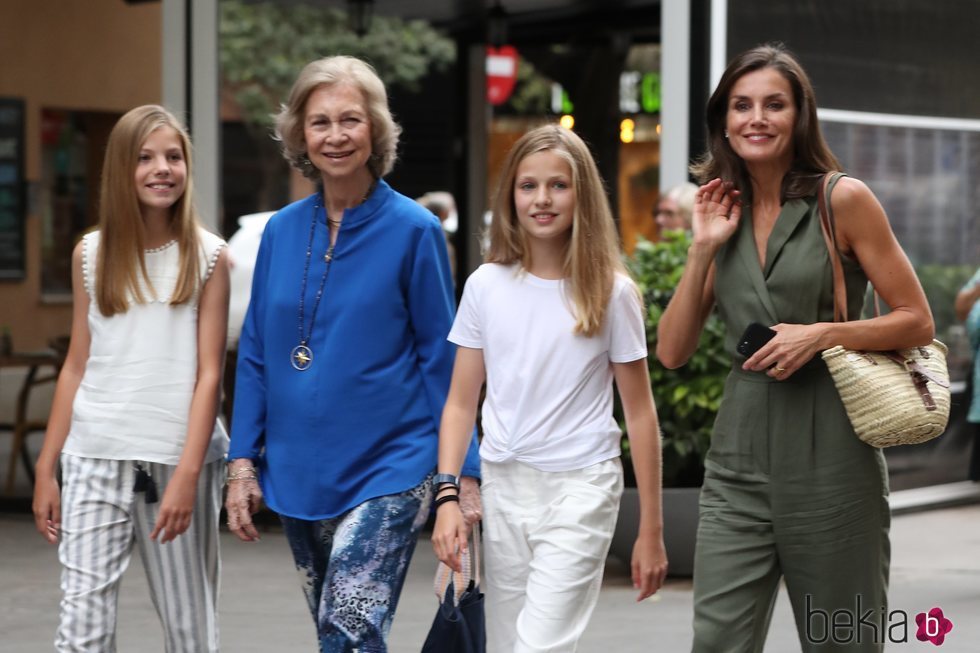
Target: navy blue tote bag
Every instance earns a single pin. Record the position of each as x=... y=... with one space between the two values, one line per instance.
x=458 y=626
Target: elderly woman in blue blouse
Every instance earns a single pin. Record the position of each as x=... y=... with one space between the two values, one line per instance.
x=343 y=363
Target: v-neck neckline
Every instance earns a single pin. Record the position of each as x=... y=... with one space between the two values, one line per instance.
x=788 y=219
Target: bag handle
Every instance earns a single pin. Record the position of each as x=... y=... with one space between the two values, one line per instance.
x=919 y=373
x=445 y=582
x=477 y=536
x=827 y=227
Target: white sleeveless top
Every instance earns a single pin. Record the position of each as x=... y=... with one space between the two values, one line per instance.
x=134 y=399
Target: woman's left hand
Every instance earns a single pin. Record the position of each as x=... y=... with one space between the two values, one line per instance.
x=649 y=565
x=176 y=507
x=469 y=501
x=789 y=350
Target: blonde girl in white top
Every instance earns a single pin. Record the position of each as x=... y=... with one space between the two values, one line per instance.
x=133 y=422
x=549 y=322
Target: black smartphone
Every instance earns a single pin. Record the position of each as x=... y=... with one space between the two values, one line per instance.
x=753 y=338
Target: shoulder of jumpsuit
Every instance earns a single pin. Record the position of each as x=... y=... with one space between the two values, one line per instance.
x=848 y=262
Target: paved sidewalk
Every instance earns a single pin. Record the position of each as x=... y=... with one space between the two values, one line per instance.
x=936 y=562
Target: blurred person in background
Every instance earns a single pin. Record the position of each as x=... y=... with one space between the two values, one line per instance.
x=968 y=310
x=673 y=212
x=443 y=206
x=243 y=248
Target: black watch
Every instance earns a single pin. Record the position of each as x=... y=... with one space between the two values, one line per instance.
x=443 y=479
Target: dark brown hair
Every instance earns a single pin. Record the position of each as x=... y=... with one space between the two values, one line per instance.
x=811 y=155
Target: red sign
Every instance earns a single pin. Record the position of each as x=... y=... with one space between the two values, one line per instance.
x=501 y=73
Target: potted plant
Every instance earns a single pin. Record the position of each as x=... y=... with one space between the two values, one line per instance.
x=687 y=401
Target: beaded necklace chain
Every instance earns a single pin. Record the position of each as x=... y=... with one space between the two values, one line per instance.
x=301 y=356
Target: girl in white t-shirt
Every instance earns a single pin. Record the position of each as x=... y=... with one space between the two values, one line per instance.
x=133 y=418
x=549 y=322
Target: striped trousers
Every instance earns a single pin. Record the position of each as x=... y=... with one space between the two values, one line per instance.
x=102 y=518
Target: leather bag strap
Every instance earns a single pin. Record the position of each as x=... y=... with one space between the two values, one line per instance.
x=918 y=373
x=914 y=367
x=830 y=238
x=829 y=229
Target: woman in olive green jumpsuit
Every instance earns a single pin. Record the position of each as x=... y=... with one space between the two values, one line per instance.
x=789 y=490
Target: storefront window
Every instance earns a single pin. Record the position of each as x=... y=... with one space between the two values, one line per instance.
x=72 y=145
x=926 y=180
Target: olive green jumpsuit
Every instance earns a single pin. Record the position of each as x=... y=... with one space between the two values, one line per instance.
x=789 y=490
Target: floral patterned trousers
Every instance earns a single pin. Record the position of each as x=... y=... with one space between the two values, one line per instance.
x=352 y=567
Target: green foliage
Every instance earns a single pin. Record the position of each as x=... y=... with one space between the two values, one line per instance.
x=941 y=283
x=532 y=91
x=687 y=398
x=265 y=45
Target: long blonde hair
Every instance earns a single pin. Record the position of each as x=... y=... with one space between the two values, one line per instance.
x=122 y=234
x=592 y=257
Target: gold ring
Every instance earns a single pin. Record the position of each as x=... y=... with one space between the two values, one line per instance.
x=778 y=370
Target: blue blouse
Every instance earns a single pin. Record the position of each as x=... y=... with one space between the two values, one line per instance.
x=363 y=420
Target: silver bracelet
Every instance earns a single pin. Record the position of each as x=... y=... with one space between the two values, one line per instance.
x=243 y=473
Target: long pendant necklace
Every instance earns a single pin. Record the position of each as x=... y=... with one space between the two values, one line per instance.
x=301 y=356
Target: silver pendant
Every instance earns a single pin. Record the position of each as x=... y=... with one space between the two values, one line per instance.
x=301 y=357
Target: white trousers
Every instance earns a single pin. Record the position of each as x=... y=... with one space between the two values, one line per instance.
x=102 y=518
x=546 y=536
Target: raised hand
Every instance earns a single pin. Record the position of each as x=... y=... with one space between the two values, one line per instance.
x=717 y=210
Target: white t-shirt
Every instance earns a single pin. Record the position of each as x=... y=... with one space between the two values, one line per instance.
x=549 y=399
x=135 y=396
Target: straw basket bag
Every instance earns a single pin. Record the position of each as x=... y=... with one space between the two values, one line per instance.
x=895 y=397
x=891 y=397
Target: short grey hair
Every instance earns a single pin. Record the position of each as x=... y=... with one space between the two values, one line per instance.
x=328 y=72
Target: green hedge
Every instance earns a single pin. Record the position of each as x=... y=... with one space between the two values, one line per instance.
x=687 y=398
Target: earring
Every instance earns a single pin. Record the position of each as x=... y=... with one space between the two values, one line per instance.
x=726 y=133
